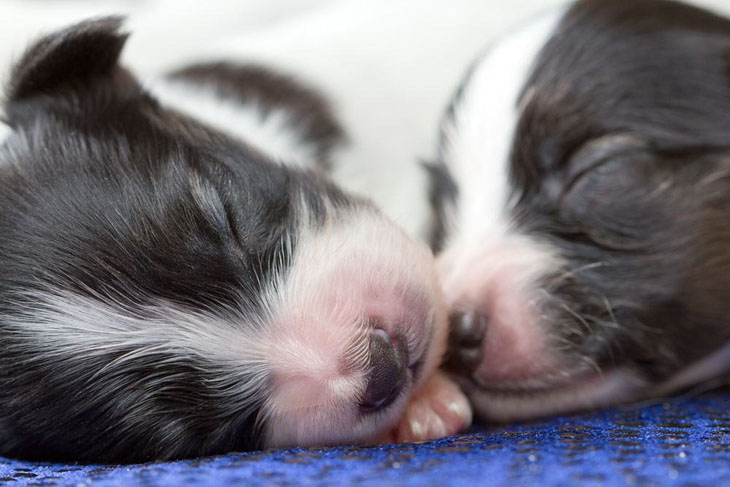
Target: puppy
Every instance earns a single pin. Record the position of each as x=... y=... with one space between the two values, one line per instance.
x=582 y=210
x=179 y=277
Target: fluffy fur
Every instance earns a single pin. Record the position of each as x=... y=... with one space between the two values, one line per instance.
x=172 y=285
x=582 y=209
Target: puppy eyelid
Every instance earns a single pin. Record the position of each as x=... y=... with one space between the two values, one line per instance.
x=209 y=201
x=595 y=153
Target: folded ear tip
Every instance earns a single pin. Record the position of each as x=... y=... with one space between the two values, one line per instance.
x=112 y=21
x=105 y=26
x=71 y=55
x=109 y=26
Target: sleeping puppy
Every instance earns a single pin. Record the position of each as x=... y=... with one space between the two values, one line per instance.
x=582 y=210
x=179 y=278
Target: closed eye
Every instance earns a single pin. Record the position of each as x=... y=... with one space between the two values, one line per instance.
x=210 y=203
x=592 y=155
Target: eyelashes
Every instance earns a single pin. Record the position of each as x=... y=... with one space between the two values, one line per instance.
x=608 y=147
x=591 y=156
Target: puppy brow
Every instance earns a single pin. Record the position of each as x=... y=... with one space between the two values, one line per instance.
x=208 y=200
x=5 y=131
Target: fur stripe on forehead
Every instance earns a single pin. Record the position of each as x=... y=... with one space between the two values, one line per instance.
x=586 y=228
x=344 y=280
x=479 y=137
x=478 y=140
x=173 y=292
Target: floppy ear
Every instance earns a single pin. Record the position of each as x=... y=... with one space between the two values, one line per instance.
x=70 y=58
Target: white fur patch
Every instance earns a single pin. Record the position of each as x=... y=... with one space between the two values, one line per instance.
x=498 y=280
x=305 y=355
x=68 y=328
x=5 y=132
x=273 y=134
x=479 y=141
x=488 y=266
x=358 y=268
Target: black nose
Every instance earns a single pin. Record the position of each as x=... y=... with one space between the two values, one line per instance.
x=387 y=374
x=466 y=334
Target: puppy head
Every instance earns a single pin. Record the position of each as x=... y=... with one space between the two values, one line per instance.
x=584 y=202
x=168 y=291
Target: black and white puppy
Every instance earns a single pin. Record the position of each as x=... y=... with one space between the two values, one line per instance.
x=583 y=209
x=178 y=278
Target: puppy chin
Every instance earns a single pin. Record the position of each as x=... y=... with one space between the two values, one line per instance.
x=357 y=274
x=594 y=390
x=521 y=372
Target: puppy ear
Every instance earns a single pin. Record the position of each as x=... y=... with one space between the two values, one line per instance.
x=70 y=58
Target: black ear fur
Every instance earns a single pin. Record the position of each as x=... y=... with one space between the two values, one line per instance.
x=71 y=57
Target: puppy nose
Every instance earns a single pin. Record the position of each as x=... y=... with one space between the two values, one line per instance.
x=387 y=374
x=466 y=334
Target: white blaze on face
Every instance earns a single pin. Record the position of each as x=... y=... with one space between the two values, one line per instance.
x=358 y=268
x=487 y=266
x=305 y=356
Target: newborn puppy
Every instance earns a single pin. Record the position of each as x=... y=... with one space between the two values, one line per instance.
x=178 y=277
x=582 y=210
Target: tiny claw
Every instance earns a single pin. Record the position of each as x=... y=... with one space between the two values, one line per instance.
x=439 y=408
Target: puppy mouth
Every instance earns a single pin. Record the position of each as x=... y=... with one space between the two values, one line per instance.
x=561 y=394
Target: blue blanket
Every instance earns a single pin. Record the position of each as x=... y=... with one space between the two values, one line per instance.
x=683 y=442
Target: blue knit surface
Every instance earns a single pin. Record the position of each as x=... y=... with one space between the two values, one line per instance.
x=685 y=442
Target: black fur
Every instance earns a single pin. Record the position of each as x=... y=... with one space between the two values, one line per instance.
x=105 y=194
x=442 y=195
x=621 y=159
x=68 y=58
x=308 y=110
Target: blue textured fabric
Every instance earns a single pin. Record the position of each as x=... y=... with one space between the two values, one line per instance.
x=682 y=442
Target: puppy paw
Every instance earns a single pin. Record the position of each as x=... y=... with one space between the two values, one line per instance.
x=437 y=409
